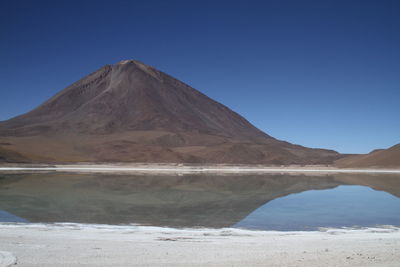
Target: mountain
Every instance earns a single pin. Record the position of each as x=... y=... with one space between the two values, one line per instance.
x=379 y=158
x=131 y=112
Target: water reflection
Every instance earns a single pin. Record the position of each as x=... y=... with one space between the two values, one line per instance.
x=176 y=201
x=343 y=206
x=8 y=217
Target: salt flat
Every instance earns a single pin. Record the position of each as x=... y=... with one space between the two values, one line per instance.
x=104 y=245
x=173 y=168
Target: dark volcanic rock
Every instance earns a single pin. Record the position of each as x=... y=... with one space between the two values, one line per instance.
x=132 y=112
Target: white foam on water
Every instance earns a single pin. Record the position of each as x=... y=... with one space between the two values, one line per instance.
x=202 y=231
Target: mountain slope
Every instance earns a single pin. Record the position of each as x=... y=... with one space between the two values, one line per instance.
x=132 y=112
x=133 y=96
x=388 y=158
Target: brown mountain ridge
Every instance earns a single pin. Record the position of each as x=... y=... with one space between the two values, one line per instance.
x=131 y=112
x=379 y=158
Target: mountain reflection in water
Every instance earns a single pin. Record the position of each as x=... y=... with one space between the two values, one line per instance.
x=193 y=200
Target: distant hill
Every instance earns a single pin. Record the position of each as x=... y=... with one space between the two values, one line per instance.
x=131 y=112
x=380 y=158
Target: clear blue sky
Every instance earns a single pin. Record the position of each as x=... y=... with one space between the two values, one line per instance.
x=317 y=73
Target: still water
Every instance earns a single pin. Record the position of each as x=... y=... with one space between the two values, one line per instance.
x=267 y=202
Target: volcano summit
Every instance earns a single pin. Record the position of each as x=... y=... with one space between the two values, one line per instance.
x=131 y=112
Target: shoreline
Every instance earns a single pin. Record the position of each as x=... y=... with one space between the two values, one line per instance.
x=107 y=245
x=175 y=168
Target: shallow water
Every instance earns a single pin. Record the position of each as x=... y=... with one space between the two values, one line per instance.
x=267 y=202
x=343 y=206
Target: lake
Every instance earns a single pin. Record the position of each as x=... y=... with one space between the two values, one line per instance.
x=263 y=202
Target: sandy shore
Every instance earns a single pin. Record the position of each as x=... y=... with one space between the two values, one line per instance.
x=180 y=168
x=101 y=245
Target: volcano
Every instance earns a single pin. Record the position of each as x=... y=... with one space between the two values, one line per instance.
x=132 y=112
